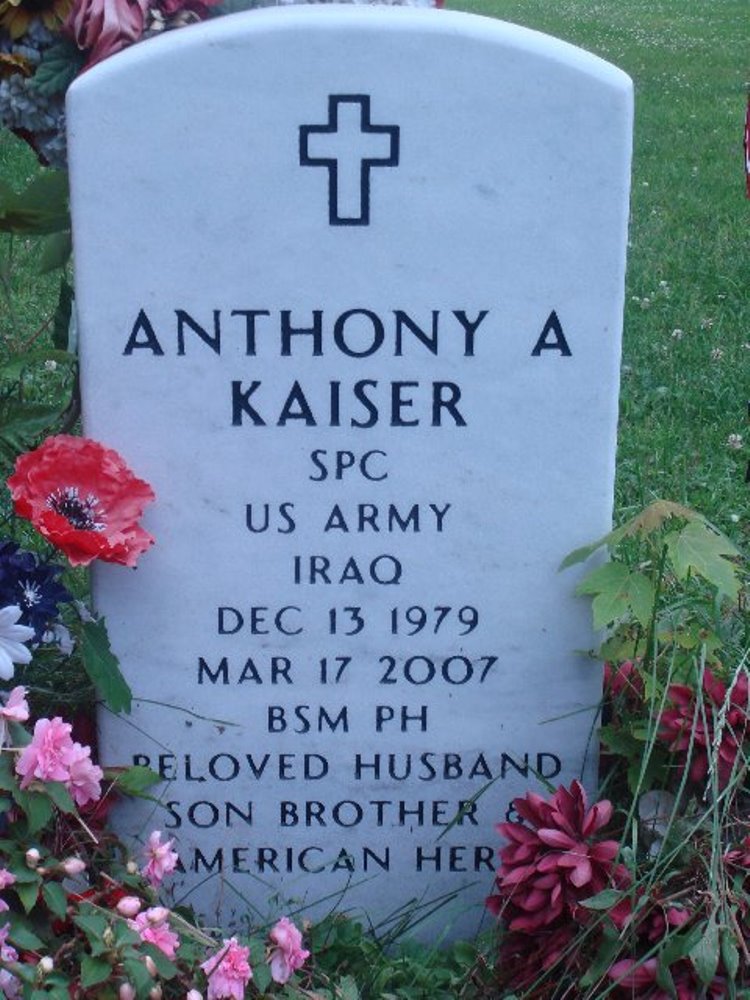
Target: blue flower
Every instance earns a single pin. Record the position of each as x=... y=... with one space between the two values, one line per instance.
x=31 y=585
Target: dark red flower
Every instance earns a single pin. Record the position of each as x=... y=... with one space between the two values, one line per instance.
x=84 y=499
x=555 y=861
x=692 y=728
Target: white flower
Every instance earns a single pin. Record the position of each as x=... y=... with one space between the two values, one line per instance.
x=12 y=638
x=717 y=354
x=734 y=441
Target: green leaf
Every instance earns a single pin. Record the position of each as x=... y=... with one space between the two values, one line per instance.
x=604 y=957
x=698 y=548
x=261 y=977
x=21 y=934
x=56 y=898
x=138 y=975
x=56 y=251
x=58 y=68
x=8 y=780
x=136 y=780
x=347 y=989
x=60 y=796
x=603 y=900
x=93 y=926
x=618 y=591
x=61 y=321
x=705 y=954
x=38 y=808
x=93 y=971
x=22 y=423
x=41 y=208
x=649 y=520
x=165 y=968
x=103 y=668
x=730 y=955
x=12 y=369
x=28 y=893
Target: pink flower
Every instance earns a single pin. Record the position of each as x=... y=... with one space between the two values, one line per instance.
x=10 y=986
x=156 y=932
x=15 y=709
x=287 y=954
x=6 y=878
x=53 y=756
x=162 y=860
x=555 y=861
x=48 y=755
x=228 y=971
x=84 y=778
x=690 y=728
x=128 y=906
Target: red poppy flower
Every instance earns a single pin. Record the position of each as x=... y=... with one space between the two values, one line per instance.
x=84 y=499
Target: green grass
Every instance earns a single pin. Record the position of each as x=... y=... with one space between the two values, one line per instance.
x=688 y=260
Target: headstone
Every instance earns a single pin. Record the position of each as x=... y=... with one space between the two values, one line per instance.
x=350 y=285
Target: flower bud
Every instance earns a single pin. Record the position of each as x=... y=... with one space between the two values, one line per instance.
x=150 y=965
x=194 y=995
x=132 y=867
x=127 y=991
x=128 y=906
x=157 y=914
x=73 y=866
x=155 y=993
x=33 y=857
x=46 y=965
x=108 y=937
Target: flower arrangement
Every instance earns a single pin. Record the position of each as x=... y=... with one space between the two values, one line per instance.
x=79 y=917
x=645 y=894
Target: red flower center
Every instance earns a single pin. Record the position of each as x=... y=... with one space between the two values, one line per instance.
x=82 y=513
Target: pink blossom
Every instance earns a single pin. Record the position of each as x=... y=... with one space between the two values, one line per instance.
x=228 y=971
x=162 y=860
x=6 y=878
x=15 y=709
x=10 y=986
x=689 y=727
x=128 y=906
x=287 y=954
x=156 y=932
x=555 y=861
x=84 y=778
x=48 y=755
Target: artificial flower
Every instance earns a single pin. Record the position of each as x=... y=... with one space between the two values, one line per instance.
x=12 y=639
x=286 y=954
x=84 y=777
x=84 y=499
x=156 y=932
x=32 y=585
x=713 y=728
x=103 y=27
x=161 y=859
x=10 y=986
x=47 y=756
x=228 y=971
x=555 y=861
x=53 y=756
x=16 y=16
x=15 y=709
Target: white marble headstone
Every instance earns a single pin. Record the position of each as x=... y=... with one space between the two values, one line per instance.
x=350 y=287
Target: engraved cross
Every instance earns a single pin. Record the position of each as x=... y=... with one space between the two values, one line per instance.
x=349 y=146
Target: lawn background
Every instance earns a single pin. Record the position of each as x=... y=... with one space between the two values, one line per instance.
x=686 y=356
